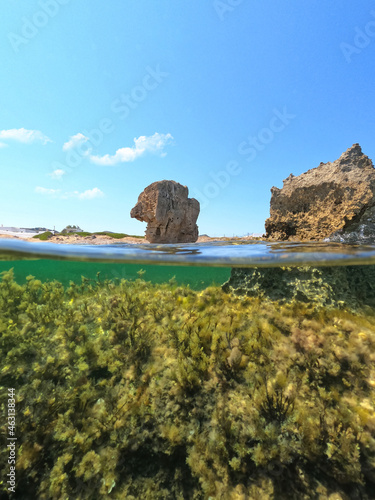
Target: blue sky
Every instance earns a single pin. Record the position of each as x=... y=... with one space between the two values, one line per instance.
x=100 y=99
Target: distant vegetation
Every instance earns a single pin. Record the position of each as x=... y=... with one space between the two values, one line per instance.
x=47 y=235
x=71 y=233
x=117 y=235
x=43 y=236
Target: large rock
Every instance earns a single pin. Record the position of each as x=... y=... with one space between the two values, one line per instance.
x=337 y=196
x=170 y=215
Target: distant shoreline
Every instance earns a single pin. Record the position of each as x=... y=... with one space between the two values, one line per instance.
x=75 y=239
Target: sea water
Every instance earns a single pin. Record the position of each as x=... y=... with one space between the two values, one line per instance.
x=130 y=371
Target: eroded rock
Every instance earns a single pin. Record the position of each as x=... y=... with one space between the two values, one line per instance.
x=333 y=197
x=170 y=215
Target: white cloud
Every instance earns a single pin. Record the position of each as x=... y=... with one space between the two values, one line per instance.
x=42 y=190
x=3 y=145
x=89 y=194
x=57 y=174
x=25 y=136
x=74 y=141
x=152 y=144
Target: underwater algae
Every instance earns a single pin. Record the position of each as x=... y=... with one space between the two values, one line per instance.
x=328 y=286
x=137 y=390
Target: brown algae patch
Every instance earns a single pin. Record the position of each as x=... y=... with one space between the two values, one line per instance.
x=135 y=390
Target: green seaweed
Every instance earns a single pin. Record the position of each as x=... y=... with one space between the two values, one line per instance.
x=136 y=390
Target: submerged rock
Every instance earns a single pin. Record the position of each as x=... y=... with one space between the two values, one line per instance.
x=337 y=196
x=170 y=215
x=334 y=286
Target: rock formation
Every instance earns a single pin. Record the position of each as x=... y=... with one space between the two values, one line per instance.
x=170 y=215
x=334 y=197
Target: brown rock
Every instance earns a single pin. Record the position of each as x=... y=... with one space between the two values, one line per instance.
x=332 y=197
x=170 y=215
x=236 y=359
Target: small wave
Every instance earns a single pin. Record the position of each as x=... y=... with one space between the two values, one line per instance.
x=228 y=254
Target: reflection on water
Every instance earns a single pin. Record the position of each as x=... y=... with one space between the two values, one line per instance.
x=233 y=254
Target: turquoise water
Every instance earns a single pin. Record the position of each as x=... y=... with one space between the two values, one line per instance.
x=66 y=271
x=196 y=265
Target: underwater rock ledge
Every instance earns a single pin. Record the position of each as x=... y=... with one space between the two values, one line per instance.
x=331 y=286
